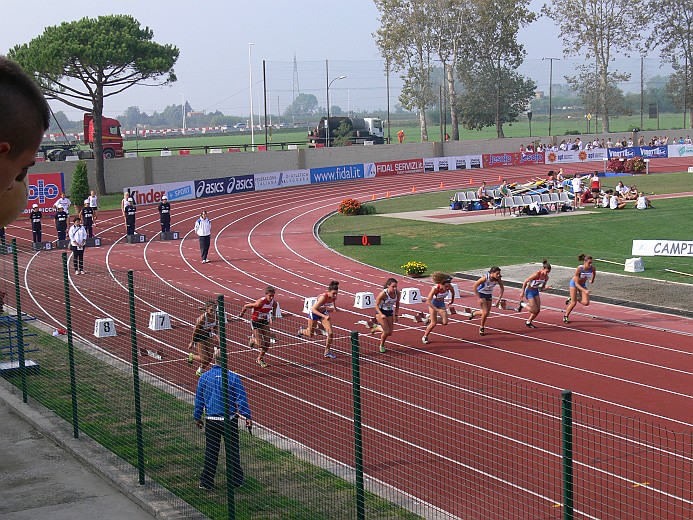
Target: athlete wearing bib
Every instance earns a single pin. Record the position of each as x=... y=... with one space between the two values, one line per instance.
x=578 y=285
x=483 y=288
x=531 y=288
x=320 y=313
x=436 y=302
x=386 y=309
x=263 y=311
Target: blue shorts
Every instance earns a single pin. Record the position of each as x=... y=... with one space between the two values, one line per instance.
x=531 y=293
x=438 y=304
x=484 y=296
x=583 y=285
x=315 y=317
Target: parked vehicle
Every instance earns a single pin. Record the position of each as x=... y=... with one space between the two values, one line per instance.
x=110 y=135
x=361 y=129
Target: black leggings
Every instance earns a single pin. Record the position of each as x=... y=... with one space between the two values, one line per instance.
x=77 y=258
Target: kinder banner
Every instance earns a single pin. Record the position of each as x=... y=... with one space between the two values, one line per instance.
x=646 y=152
x=271 y=180
x=341 y=173
x=512 y=159
x=45 y=190
x=663 y=248
x=152 y=193
x=680 y=150
x=399 y=167
x=224 y=186
x=574 y=156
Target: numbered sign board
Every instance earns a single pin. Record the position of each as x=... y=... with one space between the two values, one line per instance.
x=410 y=295
x=308 y=304
x=104 y=328
x=364 y=300
x=159 y=321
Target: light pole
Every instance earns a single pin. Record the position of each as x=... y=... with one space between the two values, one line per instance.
x=182 y=104
x=550 y=87
x=327 y=122
x=250 y=74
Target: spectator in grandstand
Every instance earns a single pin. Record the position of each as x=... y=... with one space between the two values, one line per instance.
x=578 y=285
x=643 y=202
x=203 y=230
x=609 y=144
x=324 y=304
x=209 y=402
x=165 y=214
x=386 y=309
x=64 y=203
x=78 y=239
x=436 y=302
x=531 y=288
x=87 y=215
x=263 y=311
x=94 y=204
x=24 y=117
x=130 y=212
x=641 y=140
x=483 y=288
x=61 y=217
x=205 y=338
x=35 y=218
x=687 y=140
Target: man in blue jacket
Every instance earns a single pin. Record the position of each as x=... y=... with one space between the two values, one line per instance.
x=209 y=398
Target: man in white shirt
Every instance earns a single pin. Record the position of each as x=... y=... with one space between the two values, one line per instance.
x=78 y=239
x=576 y=184
x=203 y=229
x=64 y=203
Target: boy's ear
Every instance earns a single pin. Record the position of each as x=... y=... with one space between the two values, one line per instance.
x=13 y=202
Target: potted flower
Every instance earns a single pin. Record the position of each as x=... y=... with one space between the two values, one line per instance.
x=349 y=207
x=415 y=269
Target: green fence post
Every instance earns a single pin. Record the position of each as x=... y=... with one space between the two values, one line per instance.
x=567 y=435
x=70 y=349
x=20 y=325
x=136 y=378
x=231 y=437
x=358 y=431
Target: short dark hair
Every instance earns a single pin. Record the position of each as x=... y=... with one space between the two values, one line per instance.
x=24 y=112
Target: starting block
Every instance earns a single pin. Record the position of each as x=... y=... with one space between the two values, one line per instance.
x=62 y=244
x=156 y=354
x=135 y=239
x=41 y=246
x=104 y=328
x=634 y=265
x=364 y=300
x=503 y=304
x=418 y=317
x=169 y=235
x=308 y=304
x=451 y=310
x=94 y=242
x=159 y=321
x=410 y=295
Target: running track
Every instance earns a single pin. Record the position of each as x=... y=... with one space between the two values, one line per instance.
x=264 y=238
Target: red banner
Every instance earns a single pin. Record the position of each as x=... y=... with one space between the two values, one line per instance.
x=44 y=190
x=512 y=159
x=397 y=167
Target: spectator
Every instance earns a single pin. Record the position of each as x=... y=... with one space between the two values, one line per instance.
x=576 y=184
x=35 y=218
x=643 y=202
x=203 y=229
x=78 y=239
x=209 y=399
x=129 y=211
x=94 y=204
x=165 y=214
x=87 y=215
x=483 y=195
x=400 y=136
x=61 y=218
x=64 y=203
x=606 y=197
x=616 y=203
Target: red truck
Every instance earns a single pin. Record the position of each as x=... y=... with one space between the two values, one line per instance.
x=111 y=138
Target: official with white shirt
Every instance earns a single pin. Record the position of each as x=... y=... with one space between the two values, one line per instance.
x=63 y=203
x=78 y=239
x=203 y=229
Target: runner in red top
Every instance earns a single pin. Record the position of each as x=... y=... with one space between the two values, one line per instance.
x=264 y=310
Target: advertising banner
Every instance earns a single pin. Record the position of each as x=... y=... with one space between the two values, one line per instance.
x=271 y=180
x=663 y=248
x=152 y=193
x=224 y=186
x=444 y=164
x=680 y=150
x=344 y=172
x=646 y=152
x=398 y=167
x=45 y=190
x=512 y=159
x=574 y=156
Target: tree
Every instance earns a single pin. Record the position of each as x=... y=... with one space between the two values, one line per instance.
x=79 y=188
x=673 y=36
x=303 y=105
x=600 y=29
x=84 y=62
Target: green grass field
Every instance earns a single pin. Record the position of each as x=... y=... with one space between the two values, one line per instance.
x=604 y=234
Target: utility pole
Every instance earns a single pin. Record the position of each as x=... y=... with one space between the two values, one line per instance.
x=550 y=88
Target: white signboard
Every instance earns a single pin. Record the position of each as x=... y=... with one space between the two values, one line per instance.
x=271 y=180
x=663 y=248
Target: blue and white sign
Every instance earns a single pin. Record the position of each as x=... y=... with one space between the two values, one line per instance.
x=224 y=186
x=338 y=173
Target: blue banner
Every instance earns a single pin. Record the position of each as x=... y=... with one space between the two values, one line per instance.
x=646 y=152
x=340 y=173
x=224 y=186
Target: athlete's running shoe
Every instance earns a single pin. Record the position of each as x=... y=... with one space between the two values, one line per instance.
x=565 y=319
x=262 y=363
x=198 y=373
x=424 y=340
x=330 y=355
x=530 y=325
x=481 y=331
x=382 y=349
x=567 y=302
x=519 y=307
x=190 y=358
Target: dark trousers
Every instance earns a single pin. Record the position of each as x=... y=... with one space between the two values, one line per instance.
x=62 y=234
x=214 y=433
x=77 y=258
x=130 y=225
x=165 y=226
x=89 y=229
x=37 y=234
x=204 y=246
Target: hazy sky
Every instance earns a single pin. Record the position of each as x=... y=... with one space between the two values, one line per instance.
x=213 y=38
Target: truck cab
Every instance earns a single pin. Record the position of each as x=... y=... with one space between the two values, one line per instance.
x=111 y=137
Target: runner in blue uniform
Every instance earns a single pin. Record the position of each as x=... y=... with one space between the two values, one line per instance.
x=436 y=301
x=531 y=288
x=483 y=288
x=578 y=285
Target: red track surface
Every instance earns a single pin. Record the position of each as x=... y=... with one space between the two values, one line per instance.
x=262 y=238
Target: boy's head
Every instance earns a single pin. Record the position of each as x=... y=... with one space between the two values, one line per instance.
x=24 y=117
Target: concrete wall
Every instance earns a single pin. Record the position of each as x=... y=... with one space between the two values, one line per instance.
x=152 y=170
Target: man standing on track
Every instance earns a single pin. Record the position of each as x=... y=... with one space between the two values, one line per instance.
x=78 y=239
x=88 y=218
x=61 y=218
x=165 y=214
x=129 y=212
x=35 y=218
x=203 y=229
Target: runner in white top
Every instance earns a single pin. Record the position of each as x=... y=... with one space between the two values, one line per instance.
x=386 y=309
x=483 y=287
x=93 y=204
